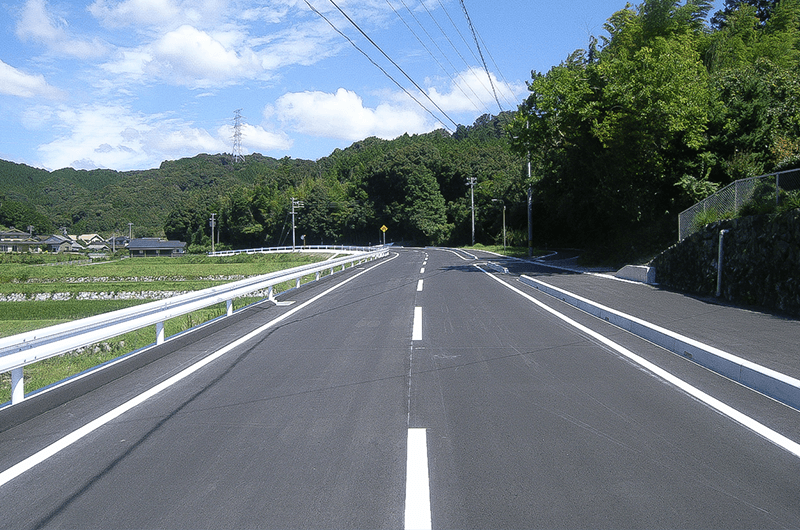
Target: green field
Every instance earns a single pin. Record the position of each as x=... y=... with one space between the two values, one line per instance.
x=147 y=277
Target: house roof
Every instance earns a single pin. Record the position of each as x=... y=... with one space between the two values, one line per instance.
x=154 y=244
x=14 y=234
x=56 y=239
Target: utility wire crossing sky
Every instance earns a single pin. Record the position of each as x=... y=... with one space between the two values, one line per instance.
x=126 y=84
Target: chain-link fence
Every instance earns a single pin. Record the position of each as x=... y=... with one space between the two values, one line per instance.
x=743 y=197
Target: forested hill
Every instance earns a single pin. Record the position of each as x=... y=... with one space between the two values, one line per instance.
x=415 y=185
x=102 y=201
x=667 y=106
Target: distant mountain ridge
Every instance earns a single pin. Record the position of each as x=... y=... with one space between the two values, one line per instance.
x=104 y=200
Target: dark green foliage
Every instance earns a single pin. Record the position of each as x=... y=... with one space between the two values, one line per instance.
x=415 y=185
x=667 y=110
x=22 y=215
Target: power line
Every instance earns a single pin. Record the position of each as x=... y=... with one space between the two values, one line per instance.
x=379 y=66
x=452 y=76
x=478 y=45
x=391 y=61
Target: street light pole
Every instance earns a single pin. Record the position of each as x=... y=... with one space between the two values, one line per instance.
x=295 y=204
x=213 y=223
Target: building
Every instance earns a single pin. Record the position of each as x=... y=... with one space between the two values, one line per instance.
x=56 y=243
x=14 y=240
x=153 y=247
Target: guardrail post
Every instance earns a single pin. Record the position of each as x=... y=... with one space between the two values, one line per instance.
x=317 y=276
x=297 y=284
x=159 y=333
x=17 y=386
x=229 y=307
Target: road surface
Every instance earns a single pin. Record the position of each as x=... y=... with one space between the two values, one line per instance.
x=422 y=390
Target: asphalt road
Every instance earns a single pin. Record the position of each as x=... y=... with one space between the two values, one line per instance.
x=420 y=390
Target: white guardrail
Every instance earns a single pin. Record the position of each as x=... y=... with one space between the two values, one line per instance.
x=343 y=249
x=18 y=351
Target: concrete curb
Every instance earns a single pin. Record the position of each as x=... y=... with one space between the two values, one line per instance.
x=774 y=384
x=637 y=273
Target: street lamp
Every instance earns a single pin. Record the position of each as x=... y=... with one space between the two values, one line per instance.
x=212 y=223
x=295 y=204
x=504 y=220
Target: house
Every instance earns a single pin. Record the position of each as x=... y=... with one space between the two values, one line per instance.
x=56 y=243
x=118 y=242
x=90 y=239
x=13 y=240
x=98 y=247
x=151 y=246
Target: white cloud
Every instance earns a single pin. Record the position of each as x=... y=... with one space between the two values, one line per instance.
x=472 y=90
x=134 y=12
x=256 y=139
x=166 y=14
x=190 y=56
x=38 y=25
x=13 y=82
x=343 y=116
x=115 y=137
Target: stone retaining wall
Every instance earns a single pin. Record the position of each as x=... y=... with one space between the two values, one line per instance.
x=761 y=262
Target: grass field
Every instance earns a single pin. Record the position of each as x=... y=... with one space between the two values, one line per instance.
x=141 y=277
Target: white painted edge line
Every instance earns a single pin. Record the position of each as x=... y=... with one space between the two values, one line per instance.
x=419 y=285
x=671 y=334
x=416 y=332
x=42 y=455
x=748 y=422
x=418 y=494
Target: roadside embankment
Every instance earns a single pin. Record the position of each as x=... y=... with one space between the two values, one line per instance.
x=760 y=265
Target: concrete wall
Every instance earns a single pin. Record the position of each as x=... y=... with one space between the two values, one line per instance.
x=761 y=262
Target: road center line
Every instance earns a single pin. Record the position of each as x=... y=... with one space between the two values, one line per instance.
x=422 y=270
x=418 y=494
x=416 y=333
x=737 y=416
x=419 y=286
x=42 y=455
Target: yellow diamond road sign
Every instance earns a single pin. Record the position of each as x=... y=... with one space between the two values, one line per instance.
x=384 y=229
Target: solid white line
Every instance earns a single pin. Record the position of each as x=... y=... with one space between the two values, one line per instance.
x=419 y=286
x=759 y=428
x=418 y=494
x=416 y=333
x=39 y=457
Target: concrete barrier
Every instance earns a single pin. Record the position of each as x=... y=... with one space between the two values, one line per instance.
x=637 y=273
x=774 y=384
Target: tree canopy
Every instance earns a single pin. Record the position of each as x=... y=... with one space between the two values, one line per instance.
x=659 y=113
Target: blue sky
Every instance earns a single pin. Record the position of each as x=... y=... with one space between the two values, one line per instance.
x=126 y=84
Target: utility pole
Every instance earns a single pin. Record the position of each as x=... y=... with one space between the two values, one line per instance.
x=504 y=220
x=295 y=204
x=530 y=202
x=530 y=209
x=212 y=223
x=130 y=231
x=471 y=182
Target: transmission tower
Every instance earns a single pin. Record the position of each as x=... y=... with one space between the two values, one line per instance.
x=237 y=136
